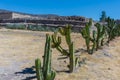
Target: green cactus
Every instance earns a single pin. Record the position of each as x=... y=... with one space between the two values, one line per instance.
x=73 y=60
x=118 y=30
x=93 y=39
x=86 y=35
x=56 y=40
x=110 y=28
x=66 y=32
x=38 y=69
x=45 y=72
x=100 y=35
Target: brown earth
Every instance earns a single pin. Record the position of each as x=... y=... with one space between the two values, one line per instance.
x=19 y=49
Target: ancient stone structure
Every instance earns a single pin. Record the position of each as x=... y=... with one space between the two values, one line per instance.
x=5 y=15
x=118 y=21
x=13 y=15
x=77 y=22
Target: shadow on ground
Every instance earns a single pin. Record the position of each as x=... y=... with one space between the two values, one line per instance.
x=27 y=71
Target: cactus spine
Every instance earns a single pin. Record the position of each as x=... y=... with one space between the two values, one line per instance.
x=45 y=72
x=70 y=53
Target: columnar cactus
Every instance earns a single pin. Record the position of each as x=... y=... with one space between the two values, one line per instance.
x=86 y=35
x=45 y=72
x=56 y=40
x=73 y=60
x=111 y=25
x=100 y=35
x=118 y=30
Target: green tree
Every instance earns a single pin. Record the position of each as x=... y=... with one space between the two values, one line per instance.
x=103 y=16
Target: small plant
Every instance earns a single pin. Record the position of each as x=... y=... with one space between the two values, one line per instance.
x=56 y=40
x=45 y=72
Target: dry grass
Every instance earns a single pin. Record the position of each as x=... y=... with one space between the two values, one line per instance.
x=25 y=46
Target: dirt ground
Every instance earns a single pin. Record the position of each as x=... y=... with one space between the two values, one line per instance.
x=19 y=49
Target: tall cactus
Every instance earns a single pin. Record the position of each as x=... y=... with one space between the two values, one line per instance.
x=45 y=72
x=86 y=35
x=111 y=25
x=100 y=35
x=56 y=40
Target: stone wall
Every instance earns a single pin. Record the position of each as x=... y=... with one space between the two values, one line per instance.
x=16 y=15
x=118 y=21
x=6 y=15
x=46 y=22
x=77 y=22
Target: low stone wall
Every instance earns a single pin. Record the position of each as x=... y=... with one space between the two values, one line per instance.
x=76 y=25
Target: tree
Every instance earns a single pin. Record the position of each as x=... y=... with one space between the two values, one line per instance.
x=103 y=16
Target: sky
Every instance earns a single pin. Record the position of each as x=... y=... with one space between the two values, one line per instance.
x=86 y=8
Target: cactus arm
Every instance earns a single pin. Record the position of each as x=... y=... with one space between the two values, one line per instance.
x=62 y=31
x=56 y=40
x=76 y=61
x=66 y=32
x=63 y=51
x=53 y=75
x=84 y=33
x=38 y=69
